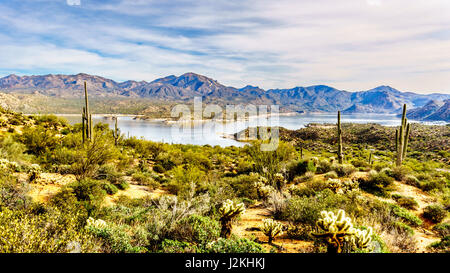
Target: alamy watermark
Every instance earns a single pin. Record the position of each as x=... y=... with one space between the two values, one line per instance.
x=73 y=2
x=248 y=122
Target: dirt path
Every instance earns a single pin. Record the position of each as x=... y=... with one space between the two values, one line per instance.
x=423 y=235
x=248 y=227
x=134 y=191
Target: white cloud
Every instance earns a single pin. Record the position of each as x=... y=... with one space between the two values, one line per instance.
x=352 y=44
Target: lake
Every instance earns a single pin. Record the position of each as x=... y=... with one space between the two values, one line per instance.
x=210 y=132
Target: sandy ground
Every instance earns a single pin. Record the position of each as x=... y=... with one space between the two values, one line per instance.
x=248 y=227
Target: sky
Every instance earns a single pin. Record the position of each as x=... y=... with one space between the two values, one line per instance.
x=348 y=44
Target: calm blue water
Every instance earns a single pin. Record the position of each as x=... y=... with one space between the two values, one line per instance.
x=211 y=133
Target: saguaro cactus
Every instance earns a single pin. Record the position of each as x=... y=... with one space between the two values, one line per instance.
x=340 y=153
x=86 y=118
x=228 y=211
x=116 y=132
x=401 y=138
x=336 y=229
x=271 y=229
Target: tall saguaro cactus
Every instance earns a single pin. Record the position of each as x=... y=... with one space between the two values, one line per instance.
x=340 y=153
x=401 y=138
x=86 y=118
x=116 y=132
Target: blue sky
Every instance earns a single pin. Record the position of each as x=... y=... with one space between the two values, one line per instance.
x=349 y=44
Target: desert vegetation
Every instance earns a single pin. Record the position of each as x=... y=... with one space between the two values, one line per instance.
x=70 y=188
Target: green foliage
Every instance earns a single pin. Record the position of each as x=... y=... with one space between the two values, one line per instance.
x=406 y=216
x=443 y=245
x=145 y=179
x=442 y=229
x=269 y=163
x=234 y=245
x=243 y=185
x=89 y=193
x=198 y=229
x=116 y=238
x=404 y=227
x=298 y=168
x=185 y=178
x=406 y=202
x=109 y=188
x=377 y=183
x=38 y=139
x=435 y=213
x=50 y=232
x=343 y=170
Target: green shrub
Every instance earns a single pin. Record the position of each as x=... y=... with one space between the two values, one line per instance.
x=378 y=183
x=406 y=216
x=412 y=181
x=300 y=167
x=109 y=188
x=310 y=188
x=324 y=166
x=243 y=185
x=332 y=175
x=343 y=170
x=174 y=246
x=404 y=227
x=52 y=231
x=442 y=229
x=159 y=169
x=308 y=176
x=434 y=213
x=433 y=184
x=406 y=202
x=234 y=245
x=198 y=229
x=88 y=192
x=109 y=172
x=443 y=245
x=116 y=238
x=145 y=179
x=400 y=173
x=122 y=184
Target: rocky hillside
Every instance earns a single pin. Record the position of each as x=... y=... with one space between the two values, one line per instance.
x=432 y=111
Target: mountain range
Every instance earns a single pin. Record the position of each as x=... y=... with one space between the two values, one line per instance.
x=317 y=98
x=433 y=110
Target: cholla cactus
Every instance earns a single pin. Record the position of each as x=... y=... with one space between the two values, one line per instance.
x=342 y=187
x=35 y=172
x=334 y=185
x=228 y=211
x=278 y=181
x=336 y=229
x=314 y=160
x=97 y=224
x=349 y=186
x=262 y=189
x=362 y=238
x=271 y=229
